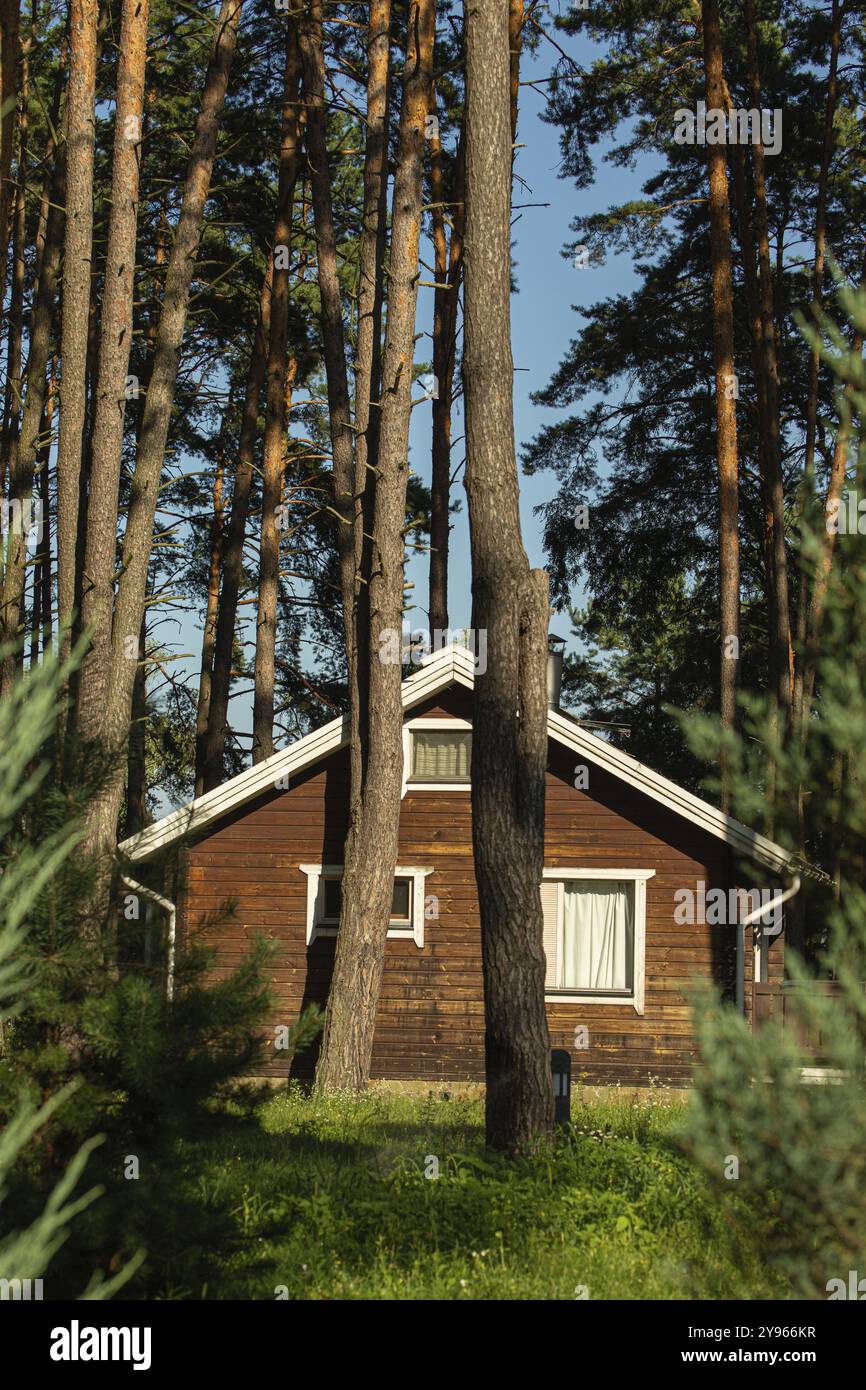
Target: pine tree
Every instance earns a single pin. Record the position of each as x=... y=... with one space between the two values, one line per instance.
x=798 y=1149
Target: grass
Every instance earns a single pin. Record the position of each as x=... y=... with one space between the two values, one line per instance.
x=339 y=1199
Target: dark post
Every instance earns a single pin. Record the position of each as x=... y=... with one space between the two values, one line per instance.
x=560 y=1062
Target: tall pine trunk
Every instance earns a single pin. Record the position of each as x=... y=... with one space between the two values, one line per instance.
x=101 y=821
x=448 y=264
x=10 y=19
x=210 y=751
x=368 y=366
x=15 y=318
x=509 y=726
x=769 y=364
x=77 y=271
x=371 y=845
x=23 y=452
x=820 y=255
x=208 y=639
x=334 y=354
x=725 y=403
x=115 y=342
x=275 y=412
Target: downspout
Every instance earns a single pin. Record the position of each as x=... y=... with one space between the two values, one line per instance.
x=171 y=910
x=747 y=921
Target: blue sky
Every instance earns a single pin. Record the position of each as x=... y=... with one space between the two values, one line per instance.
x=543 y=320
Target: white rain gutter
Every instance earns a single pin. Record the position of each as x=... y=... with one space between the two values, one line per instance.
x=747 y=921
x=171 y=909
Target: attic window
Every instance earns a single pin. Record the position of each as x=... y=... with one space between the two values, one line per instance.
x=441 y=755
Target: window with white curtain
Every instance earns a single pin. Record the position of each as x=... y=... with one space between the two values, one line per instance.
x=594 y=934
x=441 y=755
x=597 y=936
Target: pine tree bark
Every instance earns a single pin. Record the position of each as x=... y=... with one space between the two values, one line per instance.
x=371 y=845
x=334 y=354
x=77 y=269
x=368 y=366
x=836 y=19
x=769 y=360
x=275 y=411
x=40 y=625
x=808 y=484
x=24 y=450
x=115 y=341
x=15 y=319
x=509 y=728
x=725 y=404
x=10 y=19
x=448 y=266
x=208 y=640
x=136 y=758
x=823 y=569
x=101 y=820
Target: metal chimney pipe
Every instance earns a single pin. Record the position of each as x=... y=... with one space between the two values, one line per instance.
x=554 y=670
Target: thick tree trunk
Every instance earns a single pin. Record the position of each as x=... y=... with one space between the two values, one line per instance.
x=726 y=410
x=275 y=412
x=113 y=365
x=209 y=769
x=101 y=823
x=77 y=269
x=509 y=729
x=371 y=846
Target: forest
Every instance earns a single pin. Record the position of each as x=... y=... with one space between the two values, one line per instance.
x=271 y=275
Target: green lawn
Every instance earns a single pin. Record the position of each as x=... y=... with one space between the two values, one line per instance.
x=332 y=1199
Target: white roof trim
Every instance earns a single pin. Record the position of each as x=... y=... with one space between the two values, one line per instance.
x=452 y=665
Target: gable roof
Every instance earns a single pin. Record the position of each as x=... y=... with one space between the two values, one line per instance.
x=453 y=665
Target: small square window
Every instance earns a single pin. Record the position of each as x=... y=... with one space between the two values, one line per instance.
x=441 y=755
x=401 y=903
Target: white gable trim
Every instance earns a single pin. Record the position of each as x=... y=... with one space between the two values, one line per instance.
x=453 y=665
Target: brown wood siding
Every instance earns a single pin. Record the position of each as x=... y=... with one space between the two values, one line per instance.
x=430 y=1022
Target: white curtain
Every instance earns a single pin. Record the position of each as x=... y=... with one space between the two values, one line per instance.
x=439 y=755
x=598 y=944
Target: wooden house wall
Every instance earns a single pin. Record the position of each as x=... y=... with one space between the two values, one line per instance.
x=430 y=1022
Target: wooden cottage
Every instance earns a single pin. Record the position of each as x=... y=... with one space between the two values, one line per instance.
x=639 y=881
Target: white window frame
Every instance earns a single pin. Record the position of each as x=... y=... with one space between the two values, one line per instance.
x=423 y=723
x=637 y=999
x=414 y=932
